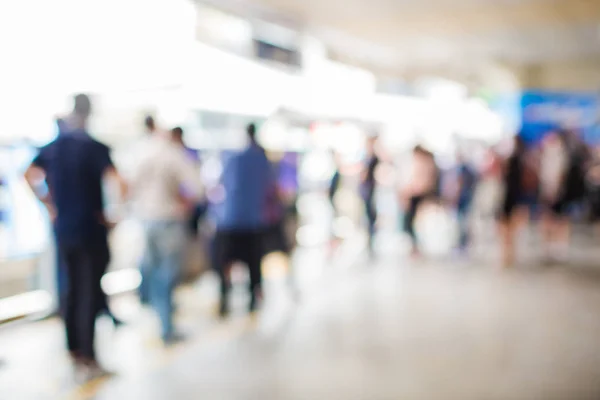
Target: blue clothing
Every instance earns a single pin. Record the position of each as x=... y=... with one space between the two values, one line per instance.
x=467 y=179
x=163 y=260
x=248 y=182
x=74 y=164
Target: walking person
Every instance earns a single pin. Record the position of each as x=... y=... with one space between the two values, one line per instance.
x=368 y=186
x=164 y=186
x=75 y=167
x=248 y=182
x=465 y=180
x=422 y=185
x=151 y=131
x=514 y=202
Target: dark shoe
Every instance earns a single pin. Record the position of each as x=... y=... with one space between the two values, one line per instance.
x=223 y=308
x=116 y=321
x=173 y=339
x=255 y=300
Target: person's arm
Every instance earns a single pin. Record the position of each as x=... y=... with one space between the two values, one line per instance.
x=188 y=177
x=114 y=181
x=111 y=174
x=35 y=176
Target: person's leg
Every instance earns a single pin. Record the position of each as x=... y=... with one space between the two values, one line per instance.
x=409 y=221
x=170 y=243
x=145 y=270
x=371 y=220
x=87 y=284
x=71 y=263
x=462 y=216
x=101 y=261
x=254 y=254
x=222 y=262
x=61 y=281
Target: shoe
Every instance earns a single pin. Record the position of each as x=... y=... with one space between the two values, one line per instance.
x=173 y=339
x=255 y=300
x=116 y=321
x=87 y=371
x=223 y=308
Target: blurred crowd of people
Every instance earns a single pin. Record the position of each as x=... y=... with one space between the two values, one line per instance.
x=551 y=181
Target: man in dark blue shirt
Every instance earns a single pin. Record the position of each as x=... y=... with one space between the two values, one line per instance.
x=74 y=167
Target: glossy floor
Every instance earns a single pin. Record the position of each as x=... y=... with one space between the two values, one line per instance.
x=392 y=329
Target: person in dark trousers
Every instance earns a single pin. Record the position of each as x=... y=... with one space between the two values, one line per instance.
x=423 y=185
x=248 y=182
x=513 y=202
x=466 y=180
x=74 y=167
x=368 y=186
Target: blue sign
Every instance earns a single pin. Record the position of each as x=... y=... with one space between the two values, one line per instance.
x=544 y=111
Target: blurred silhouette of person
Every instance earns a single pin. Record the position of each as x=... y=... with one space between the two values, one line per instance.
x=368 y=189
x=198 y=213
x=334 y=186
x=514 y=199
x=422 y=185
x=553 y=184
x=466 y=180
x=74 y=167
x=144 y=289
x=199 y=209
x=164 y=185
x=62 y=275
x=248 y=182
x=562 y=187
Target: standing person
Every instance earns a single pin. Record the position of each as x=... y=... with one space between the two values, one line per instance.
x=199 y=209
x=248 y=183
x=562 y=184
x=334 y=186
x=368 y=186
x=163 y=187
x=513 y=201
x=422 y=185
x=151 y=131
x=466 y=181
x=74 y=167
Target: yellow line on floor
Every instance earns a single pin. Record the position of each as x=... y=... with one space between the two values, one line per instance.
x=230 y=330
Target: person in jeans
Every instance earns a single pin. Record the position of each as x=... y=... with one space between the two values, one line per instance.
x=466 y=179
x=163 y=187
x=368 y=188
x=248 y=182
x=74 y=167
x=151 y=130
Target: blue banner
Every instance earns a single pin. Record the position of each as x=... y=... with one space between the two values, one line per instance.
x=544 y=111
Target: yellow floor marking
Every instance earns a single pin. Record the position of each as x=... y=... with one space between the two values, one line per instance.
x=227 y=331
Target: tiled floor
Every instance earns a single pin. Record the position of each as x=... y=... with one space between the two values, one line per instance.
x=388 y=330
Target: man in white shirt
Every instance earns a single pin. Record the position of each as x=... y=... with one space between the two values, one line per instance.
x=164 y=185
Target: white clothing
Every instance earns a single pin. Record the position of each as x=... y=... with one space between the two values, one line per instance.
x=553 y=167
x=160 y=178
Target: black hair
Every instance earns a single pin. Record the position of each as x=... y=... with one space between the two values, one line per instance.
x=519 y=145
x=251 y=131
x=177 y=132
x=82 y=105
x=149 y=123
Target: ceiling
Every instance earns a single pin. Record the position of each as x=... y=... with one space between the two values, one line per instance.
x=404 y=34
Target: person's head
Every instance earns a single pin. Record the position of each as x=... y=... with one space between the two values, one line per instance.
x=177 y=134
x=149 y=123
x=518 y=145
x=251 y=132
x=371 y=143
x=82 y=106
